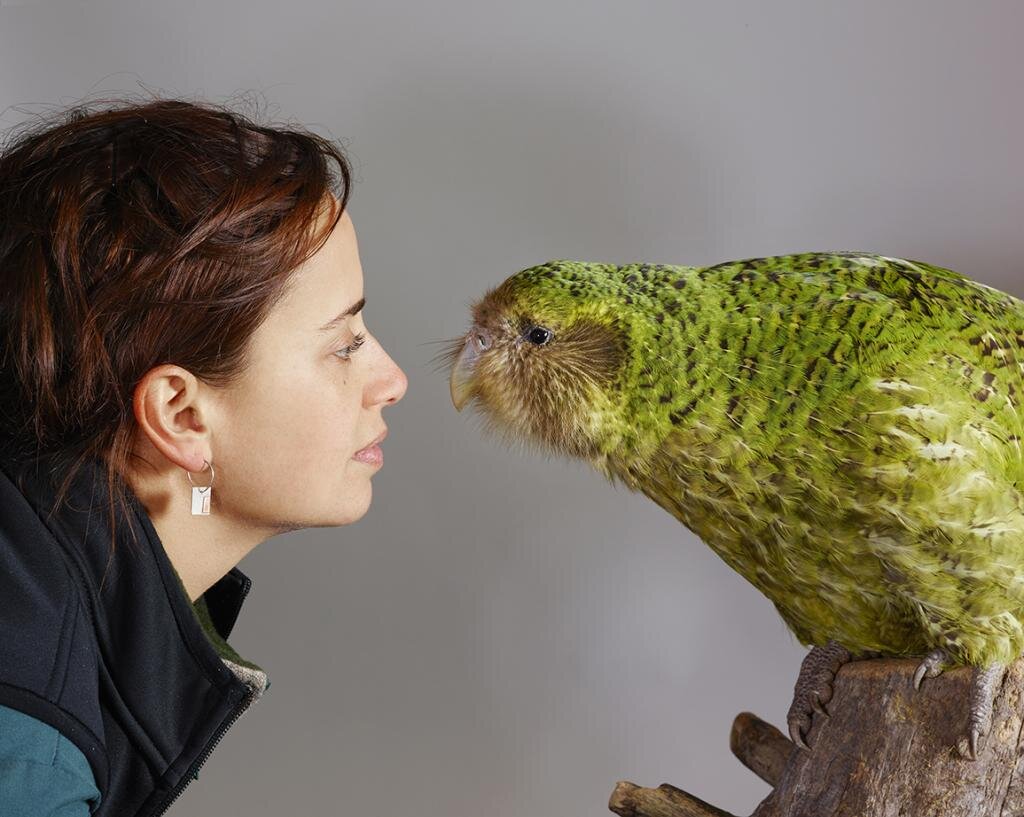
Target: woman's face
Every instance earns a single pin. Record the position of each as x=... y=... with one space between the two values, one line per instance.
x=286 y=435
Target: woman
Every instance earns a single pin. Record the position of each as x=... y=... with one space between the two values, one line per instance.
x=185 y=373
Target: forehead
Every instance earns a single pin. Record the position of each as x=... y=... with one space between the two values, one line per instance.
x=328 y=282
x=335 y=265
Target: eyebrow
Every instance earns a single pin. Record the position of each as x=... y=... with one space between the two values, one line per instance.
x=352 y=310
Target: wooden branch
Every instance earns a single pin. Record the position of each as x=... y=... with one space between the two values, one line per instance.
x=760 y=746
x=887 y=750
x=629 y=800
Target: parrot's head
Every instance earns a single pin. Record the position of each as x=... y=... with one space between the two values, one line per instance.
x=547 y=359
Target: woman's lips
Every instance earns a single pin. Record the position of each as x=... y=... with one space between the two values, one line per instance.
x=371 y=455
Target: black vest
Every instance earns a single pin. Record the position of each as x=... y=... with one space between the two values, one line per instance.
x=110 y=651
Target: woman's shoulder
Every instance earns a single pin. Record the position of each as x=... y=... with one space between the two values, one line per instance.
x=41 y=770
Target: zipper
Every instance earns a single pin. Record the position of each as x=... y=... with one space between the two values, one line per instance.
x=193 y=770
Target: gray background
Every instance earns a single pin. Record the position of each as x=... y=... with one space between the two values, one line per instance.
x=504 y=635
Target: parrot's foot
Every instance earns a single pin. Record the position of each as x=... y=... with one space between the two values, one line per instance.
x=814 y=687
x=983 y=691
x=933 y=664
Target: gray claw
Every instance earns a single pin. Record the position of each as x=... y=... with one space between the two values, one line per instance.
x=814 y=688
x=918 y=675
x=931 y=666
x=797 y=736
x=983 y=689
x=968 y=745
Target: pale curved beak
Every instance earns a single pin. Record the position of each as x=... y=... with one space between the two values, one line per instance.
x=464 y=370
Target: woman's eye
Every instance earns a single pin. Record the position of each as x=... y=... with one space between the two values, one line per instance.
x=346 y=351
x=538 y=335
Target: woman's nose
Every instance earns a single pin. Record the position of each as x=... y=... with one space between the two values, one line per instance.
x=389 y=387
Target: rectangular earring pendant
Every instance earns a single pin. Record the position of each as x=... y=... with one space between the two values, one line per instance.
x=201 y=500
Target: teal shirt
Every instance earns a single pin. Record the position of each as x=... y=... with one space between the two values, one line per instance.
x=42 y=773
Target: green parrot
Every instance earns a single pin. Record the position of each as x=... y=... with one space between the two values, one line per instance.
x=841 y=428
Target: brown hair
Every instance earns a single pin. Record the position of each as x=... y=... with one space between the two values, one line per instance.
x=143 y=233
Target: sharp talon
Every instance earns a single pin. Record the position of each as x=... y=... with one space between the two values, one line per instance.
x=814 y=688
x=796 y=735
x=984 y=683
x=919 y=676
x=932 y=665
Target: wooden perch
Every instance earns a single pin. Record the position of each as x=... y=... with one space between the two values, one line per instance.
x=887 y=750
x=665 y=801
x=760 y=747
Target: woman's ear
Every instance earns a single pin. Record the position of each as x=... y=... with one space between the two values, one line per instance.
x=167 y=405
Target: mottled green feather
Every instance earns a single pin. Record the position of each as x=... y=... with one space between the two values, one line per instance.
x=841 y=428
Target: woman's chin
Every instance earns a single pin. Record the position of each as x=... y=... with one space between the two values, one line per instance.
x=356 y=503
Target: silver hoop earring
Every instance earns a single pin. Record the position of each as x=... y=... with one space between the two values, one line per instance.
x=201 y=495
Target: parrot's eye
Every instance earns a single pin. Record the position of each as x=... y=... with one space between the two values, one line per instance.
x=539 y=335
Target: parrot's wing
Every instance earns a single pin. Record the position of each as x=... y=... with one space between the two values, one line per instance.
x=882 y=307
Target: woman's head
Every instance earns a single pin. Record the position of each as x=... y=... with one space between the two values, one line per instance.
x=164 y=270
x=282 y=436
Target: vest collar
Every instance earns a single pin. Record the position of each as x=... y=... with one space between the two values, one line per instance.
x=82 y=523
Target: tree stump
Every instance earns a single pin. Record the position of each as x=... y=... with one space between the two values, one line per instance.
x=887 y=750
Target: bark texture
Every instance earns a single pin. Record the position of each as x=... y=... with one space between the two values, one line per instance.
x=887 y=750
